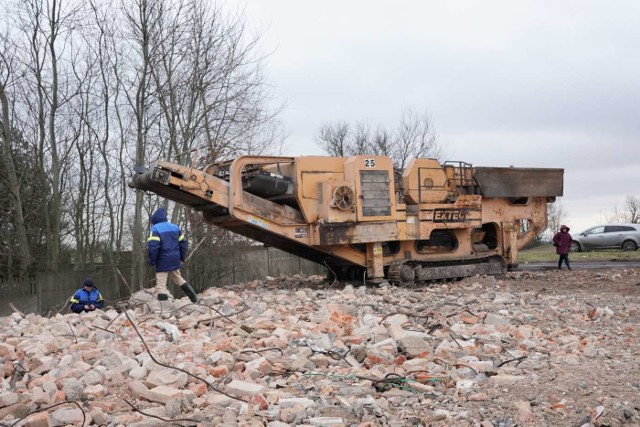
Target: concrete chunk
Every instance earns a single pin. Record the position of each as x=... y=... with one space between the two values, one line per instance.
x=164 y=394
x=63 y=417
x=293 y=401
x=17 y=410
x=37 y=420
x=8 y=398
x=414 y=346
x=327 y=421
x=244 y=388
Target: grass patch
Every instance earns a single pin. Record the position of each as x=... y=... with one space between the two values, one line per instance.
x=547 y=253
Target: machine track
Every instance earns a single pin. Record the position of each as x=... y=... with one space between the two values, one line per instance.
x=416 y=272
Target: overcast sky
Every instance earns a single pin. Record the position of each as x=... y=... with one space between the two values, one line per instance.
x=522 y=83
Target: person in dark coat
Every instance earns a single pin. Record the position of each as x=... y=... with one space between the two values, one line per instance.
x=562 y=242
x=167 y=249
x=87 y=298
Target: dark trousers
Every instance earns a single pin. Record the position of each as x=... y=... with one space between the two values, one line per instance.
x=564 y=257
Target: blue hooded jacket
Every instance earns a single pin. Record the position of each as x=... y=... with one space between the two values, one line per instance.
x=166 y=244
x=84 y=297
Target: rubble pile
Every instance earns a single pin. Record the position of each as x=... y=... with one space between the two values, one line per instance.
x=539 y=348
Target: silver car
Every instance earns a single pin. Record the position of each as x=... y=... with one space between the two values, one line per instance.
x=608 y=236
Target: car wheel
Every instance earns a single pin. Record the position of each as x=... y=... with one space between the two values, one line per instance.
x=575 y=247
x=629 y=245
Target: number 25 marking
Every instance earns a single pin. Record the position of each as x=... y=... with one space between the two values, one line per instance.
x=369 y=163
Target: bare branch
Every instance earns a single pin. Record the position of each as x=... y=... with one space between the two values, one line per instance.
x=415 y=137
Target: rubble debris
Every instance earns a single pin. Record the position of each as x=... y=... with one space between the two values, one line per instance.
x=534 y=348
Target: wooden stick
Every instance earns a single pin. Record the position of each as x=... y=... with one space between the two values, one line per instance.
x=196 y=248
x=14 y=308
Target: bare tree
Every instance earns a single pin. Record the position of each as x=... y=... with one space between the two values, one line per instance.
x=360 y=140
x=630 y=213
x=332 y=138
x=143 y=22
x=109 y=142
x=382 y=142
x=9 y=173
x=89 y=90
x=415 y=137
x=200 y=86
x=556 y=216
x=47 y=31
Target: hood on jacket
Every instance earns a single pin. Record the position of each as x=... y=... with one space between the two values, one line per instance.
x=160 y=215
x=88 y=282
x=564 y=226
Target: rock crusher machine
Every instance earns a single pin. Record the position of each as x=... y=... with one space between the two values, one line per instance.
x=359 y=216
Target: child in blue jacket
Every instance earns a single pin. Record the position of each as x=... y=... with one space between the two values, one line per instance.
x=87 y=298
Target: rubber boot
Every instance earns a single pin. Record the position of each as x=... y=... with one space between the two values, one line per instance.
x=163 y=297
x=188 y=290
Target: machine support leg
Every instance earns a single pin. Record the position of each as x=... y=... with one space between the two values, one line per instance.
x=510 y=243
x=375 y=265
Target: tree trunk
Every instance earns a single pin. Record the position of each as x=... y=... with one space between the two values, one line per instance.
x=54 y=207
x=14 y=187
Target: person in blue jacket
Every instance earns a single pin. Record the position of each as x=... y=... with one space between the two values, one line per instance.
x=87 y=298
x=167 y=249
